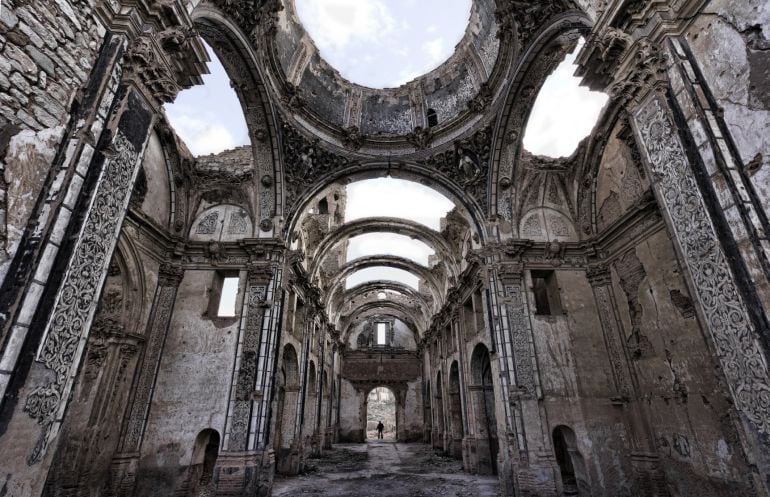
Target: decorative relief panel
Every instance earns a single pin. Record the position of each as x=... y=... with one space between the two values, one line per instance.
x=521 y=333
x=168 y=281
x=77 y=298
x=724 y=312
x=601 y=283
x=247 y=372
x=208 y=225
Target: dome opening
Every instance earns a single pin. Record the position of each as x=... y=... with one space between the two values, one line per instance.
x=384 y=44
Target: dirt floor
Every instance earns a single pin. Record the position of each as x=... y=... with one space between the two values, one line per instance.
x=385 y=469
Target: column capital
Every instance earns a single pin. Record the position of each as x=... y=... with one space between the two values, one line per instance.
x=170 y=274
x=599 y=275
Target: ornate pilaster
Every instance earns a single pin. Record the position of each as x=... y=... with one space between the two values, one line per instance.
x=246 y=371
x=601 y=283
x=124 y=464
x=721 y=307
x=532 y=469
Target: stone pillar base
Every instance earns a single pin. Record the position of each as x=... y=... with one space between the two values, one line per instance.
x=328 y=439
x=245 y=473
x=287 y=460
x=123 y=471
x=649 y=480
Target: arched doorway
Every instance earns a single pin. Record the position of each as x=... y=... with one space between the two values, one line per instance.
x=456 y=428
x=381 y=407
x=438 y=434
x=574 y=479
x=287 y=398
x=483 y=400
x=202 y=465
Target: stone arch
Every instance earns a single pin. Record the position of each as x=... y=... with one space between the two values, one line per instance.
x=540 y=58
x=377 y=286
x=456 y=421
x=286 y=419
x=572 y=467
x=203 y=462
x=347 y=269
x=398 y=409
x=483 y=404
x=363 y=226
x=238 y=57
x=467 y=206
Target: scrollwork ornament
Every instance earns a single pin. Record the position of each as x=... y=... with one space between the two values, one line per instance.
x=725 y=314
x=77 y=298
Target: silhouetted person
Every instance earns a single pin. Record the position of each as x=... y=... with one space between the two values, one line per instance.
x=380 y=428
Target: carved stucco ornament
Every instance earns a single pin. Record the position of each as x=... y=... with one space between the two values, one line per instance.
x=725 y=314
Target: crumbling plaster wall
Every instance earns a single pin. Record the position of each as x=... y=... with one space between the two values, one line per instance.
x=576 y=379
x=731 y=42
x=688 y=408
x=192 y=387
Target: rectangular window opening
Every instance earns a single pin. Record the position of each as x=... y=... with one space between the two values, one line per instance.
x=382 y=330
x=227 y=297
x=546 y=293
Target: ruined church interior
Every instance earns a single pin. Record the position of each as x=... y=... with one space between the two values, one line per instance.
x=456 y=248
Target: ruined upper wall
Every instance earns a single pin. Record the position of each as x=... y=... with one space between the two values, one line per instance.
x=448 y=90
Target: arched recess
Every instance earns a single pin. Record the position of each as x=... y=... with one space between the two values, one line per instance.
x=482 y=395
x=237 y=56
x=572 y=467
x=287 y=403
x=204 y=459
x=456 y=428
x=539 y=59
x=381 y=225
x=435 y=286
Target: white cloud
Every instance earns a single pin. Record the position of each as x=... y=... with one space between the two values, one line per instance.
x=396 y=198
x=435 y=50
x=564 y=112
x=382 y=273
x=389 y=244
x=202 y=137
x=209 y=118
x=391 y=33
x=337 y=23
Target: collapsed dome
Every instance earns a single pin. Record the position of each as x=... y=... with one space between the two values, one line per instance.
x=433 y=99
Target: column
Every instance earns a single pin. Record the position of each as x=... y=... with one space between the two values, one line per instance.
x=644 y=458
x=126 y=460
x=242 y=469
x=533 y=467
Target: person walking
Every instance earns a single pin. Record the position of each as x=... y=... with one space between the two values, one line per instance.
x=380 y=429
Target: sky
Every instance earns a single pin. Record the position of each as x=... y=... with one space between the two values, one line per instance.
x=384 y=43
x=209 y=117
x=564 y=112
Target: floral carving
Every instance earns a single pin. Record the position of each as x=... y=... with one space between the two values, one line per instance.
x=724 y=312
x=76 y=301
